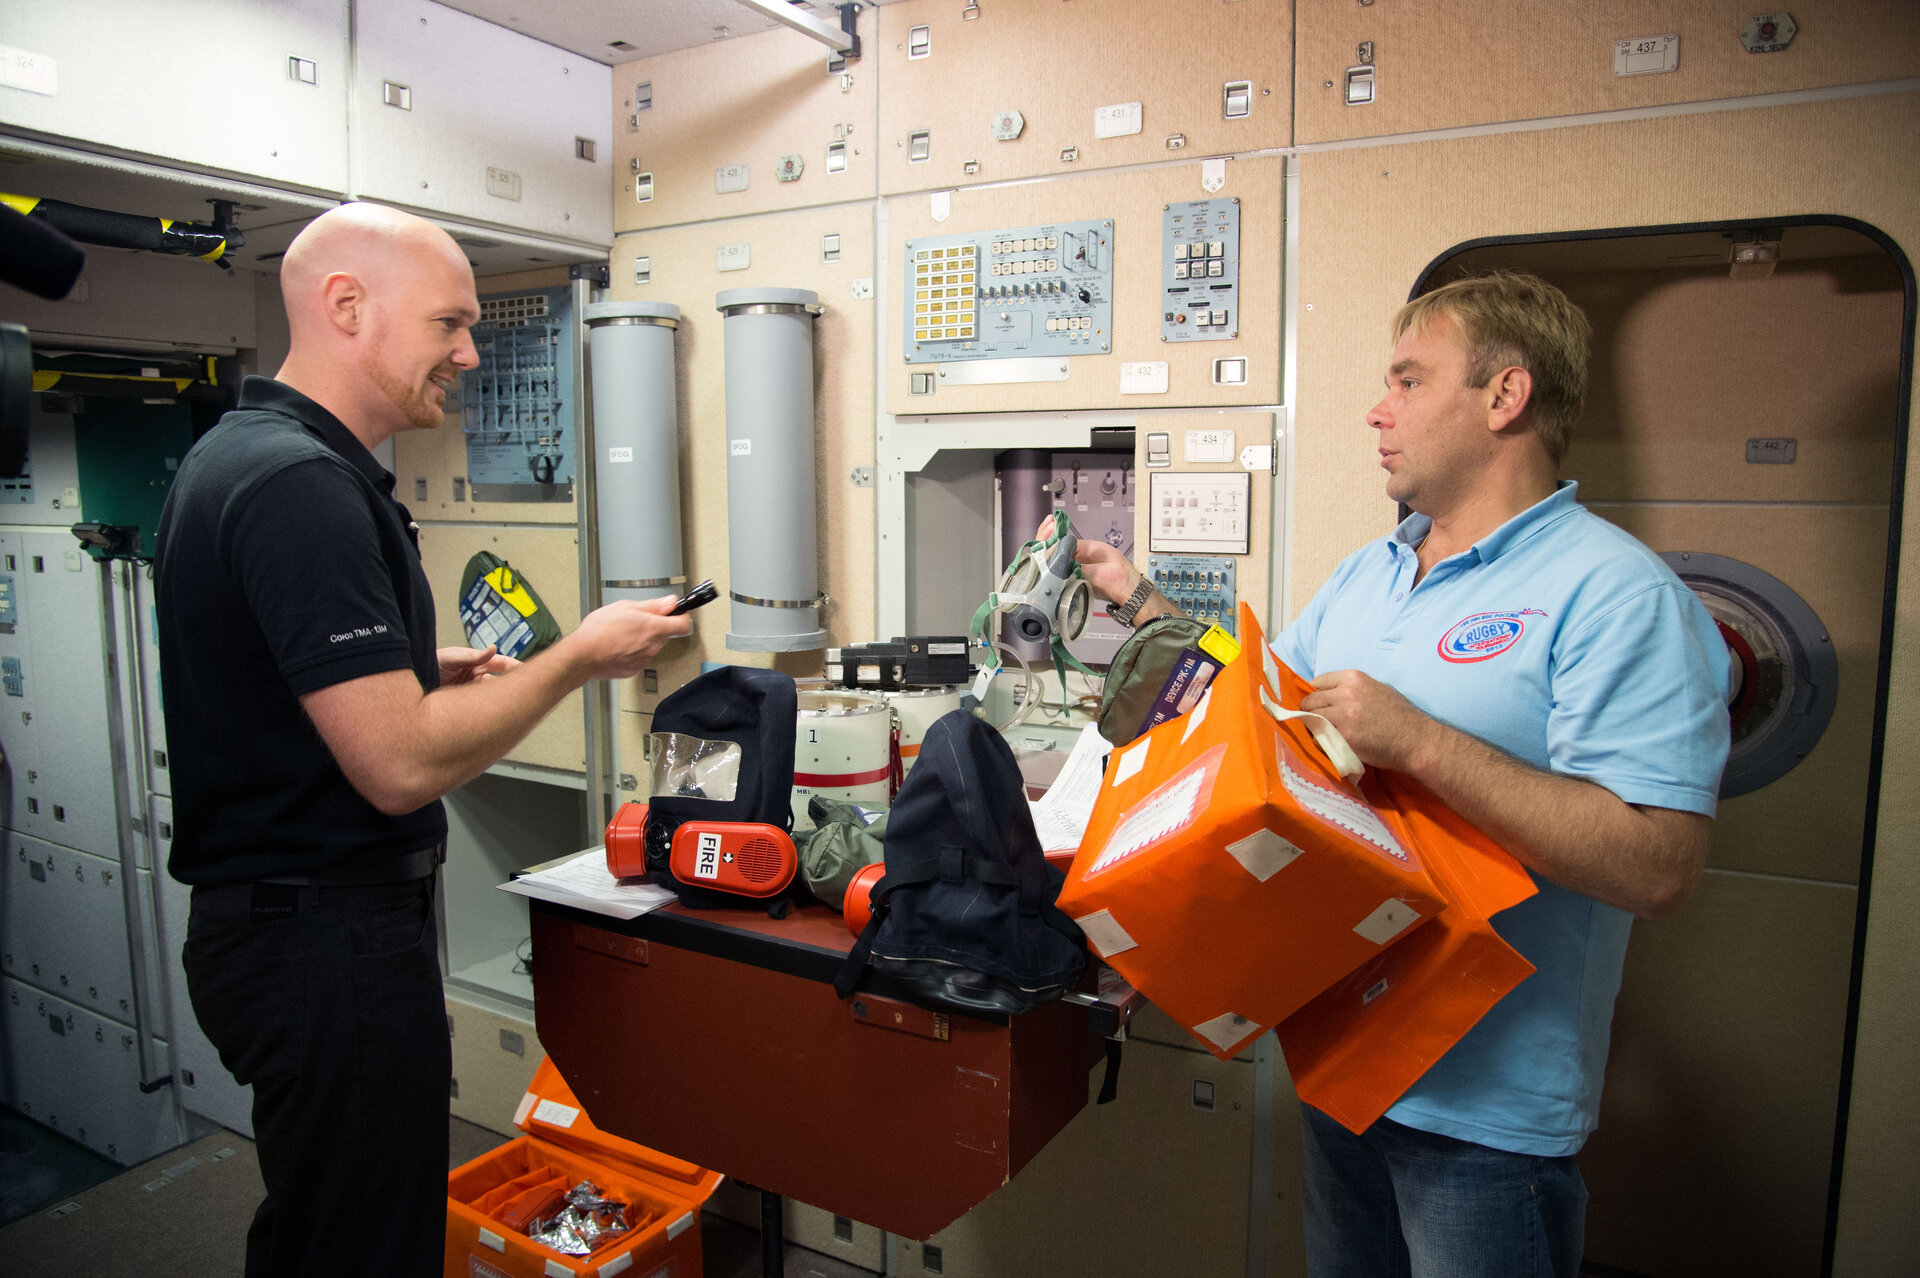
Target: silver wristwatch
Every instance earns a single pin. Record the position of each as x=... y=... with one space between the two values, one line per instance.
x=1126 y=612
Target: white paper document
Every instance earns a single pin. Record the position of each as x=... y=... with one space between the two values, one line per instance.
x=1061 y=815
x=582 y=882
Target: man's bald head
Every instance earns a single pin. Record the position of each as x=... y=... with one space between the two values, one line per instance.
x=378 y=306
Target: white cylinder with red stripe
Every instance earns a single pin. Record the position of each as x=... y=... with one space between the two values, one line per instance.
x=843 y=749
x=916 y=709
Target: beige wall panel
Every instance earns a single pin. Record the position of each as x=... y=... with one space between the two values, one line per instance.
x=1809 y=823
x=784 y=252
x=1372 y=219
x=1699 y=363
x=550 y=558
x=1146 y=1186
x=489 y=1076
x=1364 y=239
x=1716 y=1131
x=1057 y=65
x=437 y=456
x=1134 y=201
x=1445 y=65
x=1253 y=572
x=1286 y=1233
x=749 y=101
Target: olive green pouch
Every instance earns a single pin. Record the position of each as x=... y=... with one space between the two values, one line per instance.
x=845 y=840
x=1139 y=671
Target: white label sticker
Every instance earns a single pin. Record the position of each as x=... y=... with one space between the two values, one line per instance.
x=732 y=177
x=1116 y=121
x=1263 y=854
x=731 y=257
x=1129 y=764
x=1392 y=918
x=1226 y=1031
x=1374 y=991
x=740 y=447
x=1105 y=934
x=1348 y=813
x=1149 y=377
x=34 y=72
x=527 y=1103
x=503 y=183
x=946 y=650
x=554 y=1114
x=1165 y=812
x=1646 y=55
x=1209 y=445
x=706 y=857
x=1197 y=716
x=619 y=454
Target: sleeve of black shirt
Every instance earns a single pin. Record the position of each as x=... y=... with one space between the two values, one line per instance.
x=307 y=554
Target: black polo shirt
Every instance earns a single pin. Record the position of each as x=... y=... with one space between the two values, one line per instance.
x=284 y=565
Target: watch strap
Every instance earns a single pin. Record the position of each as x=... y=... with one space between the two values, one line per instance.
x=1126 y=612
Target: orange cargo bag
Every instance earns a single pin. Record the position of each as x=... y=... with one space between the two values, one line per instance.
x=1235 y=876
x=663 y=1194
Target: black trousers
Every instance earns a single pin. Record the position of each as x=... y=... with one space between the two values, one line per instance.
x=327 y=1001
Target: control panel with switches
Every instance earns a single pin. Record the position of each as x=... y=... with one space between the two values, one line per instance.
x=516 y=405
x=1202 y=586
x=1017 y=293
x=1200 y=271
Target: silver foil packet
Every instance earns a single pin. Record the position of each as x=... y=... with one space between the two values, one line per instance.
x=588 y=1222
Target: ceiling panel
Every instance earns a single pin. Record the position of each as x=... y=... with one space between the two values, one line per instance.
x=615 y=31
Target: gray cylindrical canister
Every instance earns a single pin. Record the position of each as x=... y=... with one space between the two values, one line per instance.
x=772 y=559
x=636 y=440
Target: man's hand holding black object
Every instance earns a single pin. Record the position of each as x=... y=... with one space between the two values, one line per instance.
x=402 y=747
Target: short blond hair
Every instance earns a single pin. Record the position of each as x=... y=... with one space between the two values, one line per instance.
x=1505 y=319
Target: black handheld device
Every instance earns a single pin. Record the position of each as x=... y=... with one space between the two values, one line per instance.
x=700 y=596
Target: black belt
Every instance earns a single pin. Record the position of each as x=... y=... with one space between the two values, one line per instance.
x=367 y=871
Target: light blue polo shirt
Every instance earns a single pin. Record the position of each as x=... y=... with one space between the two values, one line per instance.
x=1564 y=642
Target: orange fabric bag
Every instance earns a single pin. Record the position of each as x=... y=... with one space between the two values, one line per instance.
x=1236 y=877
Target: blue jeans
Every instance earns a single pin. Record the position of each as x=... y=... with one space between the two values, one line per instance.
x=1396 y=1202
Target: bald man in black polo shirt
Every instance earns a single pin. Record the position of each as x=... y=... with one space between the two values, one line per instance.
x=313 y=728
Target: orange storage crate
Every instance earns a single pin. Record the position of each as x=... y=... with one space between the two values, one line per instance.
x=561 y=1136
x=1239 y=881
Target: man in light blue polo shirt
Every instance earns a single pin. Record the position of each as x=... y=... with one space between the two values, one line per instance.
x=1550 y=679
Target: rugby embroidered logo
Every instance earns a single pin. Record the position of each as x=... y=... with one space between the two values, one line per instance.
x=1485 y=635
